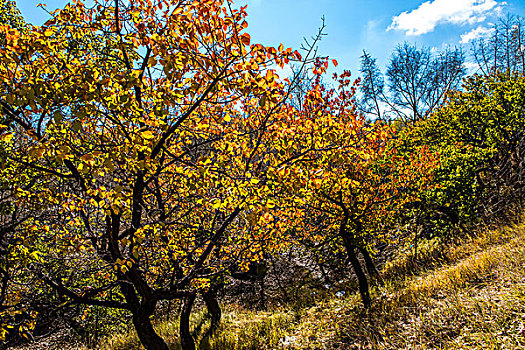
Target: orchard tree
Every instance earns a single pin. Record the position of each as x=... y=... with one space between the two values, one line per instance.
x=340 y=176
x=417 y=82
x=16 y=253
x=145 y=125
x=10 y=15
x=15 y=315
x=479 y=134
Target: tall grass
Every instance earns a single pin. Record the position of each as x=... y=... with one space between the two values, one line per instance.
x=466 y=295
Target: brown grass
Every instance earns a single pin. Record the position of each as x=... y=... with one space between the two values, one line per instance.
x=465 y=295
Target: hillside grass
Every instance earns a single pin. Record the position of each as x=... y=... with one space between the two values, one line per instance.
x=466 y=295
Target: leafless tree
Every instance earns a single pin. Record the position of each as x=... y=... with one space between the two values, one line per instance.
x=503 y=50
x=417 y=82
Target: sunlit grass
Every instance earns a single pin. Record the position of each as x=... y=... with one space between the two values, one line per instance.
x=239 y=329
x=466 y=295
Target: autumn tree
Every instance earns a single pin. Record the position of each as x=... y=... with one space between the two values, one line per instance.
x=145 y=126
x=10 y=15
x=339 y=183
x=479 y=134
x=417 y=82
x=16 y=316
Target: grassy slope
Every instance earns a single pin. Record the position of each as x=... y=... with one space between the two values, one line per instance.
x=469 y=296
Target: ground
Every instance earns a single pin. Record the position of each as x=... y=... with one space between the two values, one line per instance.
x=469 y=295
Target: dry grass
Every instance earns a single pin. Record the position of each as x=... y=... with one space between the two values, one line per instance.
x=475 y=302
x=466 y=295
x=239 y=329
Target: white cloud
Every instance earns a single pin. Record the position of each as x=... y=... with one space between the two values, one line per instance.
x=476 y=33
x=431 y=13
x=471 y=67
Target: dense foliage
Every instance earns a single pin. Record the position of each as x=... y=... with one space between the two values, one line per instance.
x=479 y=137
x=151 y=154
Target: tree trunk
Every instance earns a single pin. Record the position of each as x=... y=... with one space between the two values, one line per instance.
x=210 y=299
x=361 y=277
x=279 y=283
x=186 y=340
x=147 y=335
x=370 y=266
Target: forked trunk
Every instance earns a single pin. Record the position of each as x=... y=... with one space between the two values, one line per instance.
x=142 y=311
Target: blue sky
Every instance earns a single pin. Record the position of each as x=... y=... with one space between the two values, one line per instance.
x=353 y=25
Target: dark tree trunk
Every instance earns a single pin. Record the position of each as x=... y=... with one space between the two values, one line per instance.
x=142 y=312
x=147 y=335
x=370 y=266
x=210 y=299
x=186 y=340
x=279 y=283
x=361 y=277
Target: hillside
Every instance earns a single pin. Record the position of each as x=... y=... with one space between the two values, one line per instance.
x=163 y=184
x=471 y=296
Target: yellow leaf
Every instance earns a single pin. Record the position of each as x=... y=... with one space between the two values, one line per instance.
x=147 y=135
x=6 y=137
x=152 y=61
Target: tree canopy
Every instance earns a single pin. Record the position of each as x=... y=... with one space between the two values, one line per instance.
x=150 y=151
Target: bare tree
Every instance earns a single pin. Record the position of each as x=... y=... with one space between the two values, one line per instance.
x=372 y=86
x=503 y=51
x=417 y=82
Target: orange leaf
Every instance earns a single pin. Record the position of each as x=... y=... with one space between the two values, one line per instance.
x=245 y=39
